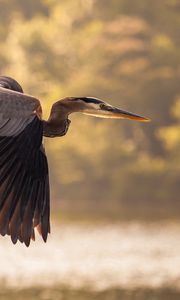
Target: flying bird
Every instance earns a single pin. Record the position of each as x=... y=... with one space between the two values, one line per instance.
x=24 y=182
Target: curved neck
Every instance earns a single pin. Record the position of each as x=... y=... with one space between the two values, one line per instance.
x=58 y=122
x=55 y=129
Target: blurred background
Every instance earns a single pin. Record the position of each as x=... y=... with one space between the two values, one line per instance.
x=114 y=184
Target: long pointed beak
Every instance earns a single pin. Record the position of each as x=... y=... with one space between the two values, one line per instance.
x=111 y=112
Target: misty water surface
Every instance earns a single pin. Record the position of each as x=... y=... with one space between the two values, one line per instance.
x=123 y=255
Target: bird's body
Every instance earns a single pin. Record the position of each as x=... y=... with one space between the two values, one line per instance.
x=24 y=182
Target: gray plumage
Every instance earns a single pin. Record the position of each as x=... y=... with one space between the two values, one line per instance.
x=24 y=180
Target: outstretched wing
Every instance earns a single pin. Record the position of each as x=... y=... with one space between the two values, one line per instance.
x=24 y=183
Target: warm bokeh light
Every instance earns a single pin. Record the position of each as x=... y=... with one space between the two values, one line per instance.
x=126 y=53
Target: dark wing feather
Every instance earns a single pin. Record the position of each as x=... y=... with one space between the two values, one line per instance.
x=24 y=182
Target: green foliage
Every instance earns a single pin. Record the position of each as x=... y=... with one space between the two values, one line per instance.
x=124 y=52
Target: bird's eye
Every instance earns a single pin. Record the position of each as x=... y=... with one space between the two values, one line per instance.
x=102 y=106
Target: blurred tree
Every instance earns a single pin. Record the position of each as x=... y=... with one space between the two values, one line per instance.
x=121 y=51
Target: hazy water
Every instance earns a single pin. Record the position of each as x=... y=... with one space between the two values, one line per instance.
x=124 y=255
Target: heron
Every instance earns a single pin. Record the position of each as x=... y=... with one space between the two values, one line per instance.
x=24 y=180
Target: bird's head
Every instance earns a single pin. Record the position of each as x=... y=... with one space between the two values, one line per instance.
x=10 y=84
x=98 y=108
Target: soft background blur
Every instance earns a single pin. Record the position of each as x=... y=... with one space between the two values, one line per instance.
x=115 y=184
